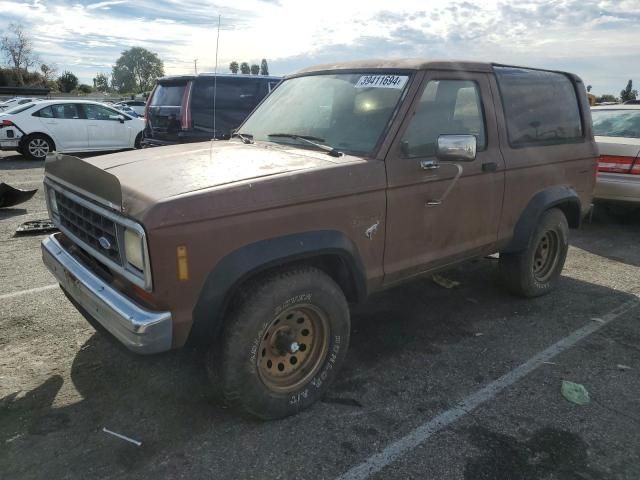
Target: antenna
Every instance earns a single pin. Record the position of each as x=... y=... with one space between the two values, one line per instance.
x=215 y=80
x=195 y=65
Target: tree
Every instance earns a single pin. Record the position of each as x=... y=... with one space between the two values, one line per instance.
x=137 y=70
x=67 y=82
x=101 y=82
x=245 y=68
x=83 y=88
x=255 y=69
x=233 y=66
x=606 y=98
x=264 y=68
x=17 y=48
x=628 y=93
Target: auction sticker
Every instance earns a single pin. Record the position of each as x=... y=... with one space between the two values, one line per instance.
x=382 y=81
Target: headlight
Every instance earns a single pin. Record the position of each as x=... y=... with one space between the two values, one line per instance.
x=133 y=249
x=53 y=204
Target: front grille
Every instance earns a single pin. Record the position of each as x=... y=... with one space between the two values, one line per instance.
x=89 y=227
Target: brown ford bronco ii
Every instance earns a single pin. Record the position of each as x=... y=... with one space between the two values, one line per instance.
x=345 y=180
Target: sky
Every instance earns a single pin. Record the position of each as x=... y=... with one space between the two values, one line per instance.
x=597 y=39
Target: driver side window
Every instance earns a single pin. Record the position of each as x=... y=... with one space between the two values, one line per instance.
x=447 y=107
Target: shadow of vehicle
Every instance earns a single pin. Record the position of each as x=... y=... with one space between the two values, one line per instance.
x=611 y=236
x=165 y=401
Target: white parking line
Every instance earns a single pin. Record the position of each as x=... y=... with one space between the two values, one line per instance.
x=392 y=452
x=28 y=291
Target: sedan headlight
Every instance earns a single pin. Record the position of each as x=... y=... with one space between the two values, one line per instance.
x=134 y=248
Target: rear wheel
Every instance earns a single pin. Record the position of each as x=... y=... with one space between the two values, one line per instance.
x=283 y=343
x=536 y=270
x=37 y=146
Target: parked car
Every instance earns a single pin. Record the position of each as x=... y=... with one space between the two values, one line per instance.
x=37 y=128
x=137 y=106
x=126 y=109
x=181 y=108
x=14 y=102
x=617 y=132
x=346 y=180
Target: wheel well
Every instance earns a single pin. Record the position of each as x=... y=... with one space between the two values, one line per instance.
x=26 y=137
x=332 y=264
x=571 y=211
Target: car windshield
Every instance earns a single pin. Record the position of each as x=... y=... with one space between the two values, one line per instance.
x=348 y=111
x=616 y=123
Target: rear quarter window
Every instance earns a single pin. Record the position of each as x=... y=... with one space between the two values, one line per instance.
x=616 y=123
x=541 y=108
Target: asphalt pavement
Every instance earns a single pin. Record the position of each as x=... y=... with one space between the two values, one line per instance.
x=460 y=383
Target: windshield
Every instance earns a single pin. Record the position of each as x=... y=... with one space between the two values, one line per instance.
x=348 y=112
x=616 y=123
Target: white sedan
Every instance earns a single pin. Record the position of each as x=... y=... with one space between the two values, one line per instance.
x=37 y=128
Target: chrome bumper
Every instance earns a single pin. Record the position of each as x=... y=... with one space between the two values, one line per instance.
x=617 y=187
x=140 y=330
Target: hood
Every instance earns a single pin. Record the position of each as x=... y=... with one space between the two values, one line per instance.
x=151 y=175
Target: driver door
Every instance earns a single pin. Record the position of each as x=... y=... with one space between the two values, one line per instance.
x=424 y=229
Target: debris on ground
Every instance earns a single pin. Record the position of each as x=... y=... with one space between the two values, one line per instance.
x=35 y=227
x=444 y=282
x=478 y=334
x=123 y=437
x=10 y=196
x=596 y=319
x=575 y=393
x=623 y=367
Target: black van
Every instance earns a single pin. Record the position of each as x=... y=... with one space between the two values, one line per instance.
x=180 y=108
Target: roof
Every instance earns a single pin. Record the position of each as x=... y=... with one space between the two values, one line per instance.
x=211 y=74
x=402 y=64
x=618 y=106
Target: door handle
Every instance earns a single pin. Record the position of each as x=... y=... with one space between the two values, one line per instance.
x=489 y=167
x=429 y=164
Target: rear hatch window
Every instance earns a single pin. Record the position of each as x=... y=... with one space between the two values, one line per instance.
x=166 y=110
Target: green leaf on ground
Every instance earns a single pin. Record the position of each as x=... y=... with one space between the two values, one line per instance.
x=575 y=393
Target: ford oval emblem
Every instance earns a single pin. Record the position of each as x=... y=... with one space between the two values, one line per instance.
x=104 y=243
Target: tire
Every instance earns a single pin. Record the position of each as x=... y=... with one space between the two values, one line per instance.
x=267 y=329
x=37 y=146
x=532 y=272
x=137 y=144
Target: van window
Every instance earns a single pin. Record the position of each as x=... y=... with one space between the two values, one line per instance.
x=168 y=95
x=231 y=93
x=540 y=107
x=447 y=107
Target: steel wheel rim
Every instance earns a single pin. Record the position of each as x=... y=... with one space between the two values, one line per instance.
x=545 y=257
x=293 y=348
x=38 y=147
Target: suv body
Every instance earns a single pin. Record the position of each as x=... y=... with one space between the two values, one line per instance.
x=413 y=167
x=181 y=108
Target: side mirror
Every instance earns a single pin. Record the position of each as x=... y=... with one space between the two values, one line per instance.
x=121 y=118
x=456 y=148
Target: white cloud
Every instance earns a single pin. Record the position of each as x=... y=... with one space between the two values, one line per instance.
x=594 y=38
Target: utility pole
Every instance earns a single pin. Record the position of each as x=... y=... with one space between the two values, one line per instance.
x=195 y=65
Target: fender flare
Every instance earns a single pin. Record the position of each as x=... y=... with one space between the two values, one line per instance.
x=561 y=196
x=249 y=260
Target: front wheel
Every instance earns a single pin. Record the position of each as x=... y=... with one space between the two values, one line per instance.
x=137 y=144
x=536 y=270
x=283 y=343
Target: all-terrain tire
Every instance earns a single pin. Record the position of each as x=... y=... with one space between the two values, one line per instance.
x=256 y=372
x=530 y=273
x=37 y=146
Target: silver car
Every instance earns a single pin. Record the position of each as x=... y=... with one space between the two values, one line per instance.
x=617 y=133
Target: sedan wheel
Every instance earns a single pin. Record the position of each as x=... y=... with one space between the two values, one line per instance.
x=37 y=147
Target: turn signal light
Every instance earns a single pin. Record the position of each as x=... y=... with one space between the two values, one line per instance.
x=183 y=263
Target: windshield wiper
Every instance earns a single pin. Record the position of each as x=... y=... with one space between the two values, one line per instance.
x=246 y=138
x=311 y=141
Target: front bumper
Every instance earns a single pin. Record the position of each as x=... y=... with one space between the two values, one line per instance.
x=617 y=187
x=140 y=330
